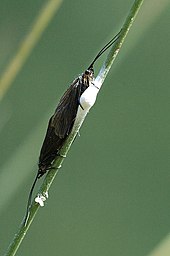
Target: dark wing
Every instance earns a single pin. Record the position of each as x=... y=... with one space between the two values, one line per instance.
x=50 y=148
x=60 y=124
x=66 y=110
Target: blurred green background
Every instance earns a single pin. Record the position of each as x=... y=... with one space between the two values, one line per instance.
x=112 y=195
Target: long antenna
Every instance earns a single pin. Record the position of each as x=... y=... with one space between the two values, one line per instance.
x=112 y=41
x=30 y=198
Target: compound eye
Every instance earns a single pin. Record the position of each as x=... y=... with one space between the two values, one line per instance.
x=87 y=72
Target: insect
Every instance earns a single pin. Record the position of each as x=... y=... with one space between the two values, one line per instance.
x=62 y=121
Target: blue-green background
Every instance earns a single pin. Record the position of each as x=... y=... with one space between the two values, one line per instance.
x=112 y=195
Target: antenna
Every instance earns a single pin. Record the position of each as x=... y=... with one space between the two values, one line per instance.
x=112 y=41
x=30 y=198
